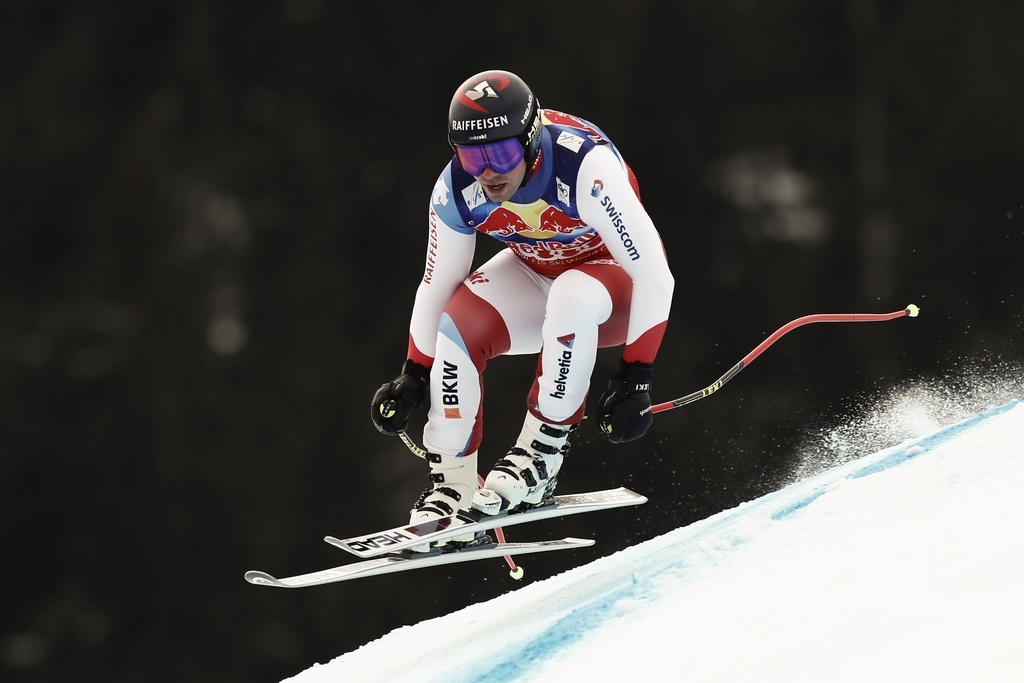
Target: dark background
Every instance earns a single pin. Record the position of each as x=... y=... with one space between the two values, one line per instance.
x=214 y=220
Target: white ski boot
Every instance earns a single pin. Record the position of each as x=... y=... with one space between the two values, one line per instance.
x=454 y=481
x=527 y=474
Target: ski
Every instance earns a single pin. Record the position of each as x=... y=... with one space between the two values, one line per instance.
x=471 y=521
x=403 y=561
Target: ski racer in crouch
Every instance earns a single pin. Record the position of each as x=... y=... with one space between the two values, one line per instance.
x=584 y=268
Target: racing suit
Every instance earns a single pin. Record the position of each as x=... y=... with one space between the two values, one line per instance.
x=584 y=268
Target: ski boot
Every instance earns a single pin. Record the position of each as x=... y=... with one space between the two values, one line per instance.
x=527 y=475
x=454 y=480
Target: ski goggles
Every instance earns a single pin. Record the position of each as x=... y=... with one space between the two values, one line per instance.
x=501 y=156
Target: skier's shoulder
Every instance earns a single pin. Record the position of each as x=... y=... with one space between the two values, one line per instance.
x=573 y=133
x=453 y=191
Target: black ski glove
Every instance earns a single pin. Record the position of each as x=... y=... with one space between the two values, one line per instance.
x=624 y=411
x=395 y=400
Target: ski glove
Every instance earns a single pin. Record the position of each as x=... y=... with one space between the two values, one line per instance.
x=395 y=400
x=624 y=411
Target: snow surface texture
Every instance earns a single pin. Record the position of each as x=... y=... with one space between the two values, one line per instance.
x=899 y=565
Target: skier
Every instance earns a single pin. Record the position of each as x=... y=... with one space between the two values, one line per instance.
x=584 y=268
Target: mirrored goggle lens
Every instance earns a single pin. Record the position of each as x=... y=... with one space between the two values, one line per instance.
x=501 y=156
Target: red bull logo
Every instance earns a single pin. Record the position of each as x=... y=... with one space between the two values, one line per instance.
x=503 y=223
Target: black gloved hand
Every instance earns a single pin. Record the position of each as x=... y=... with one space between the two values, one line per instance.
x=395 y=400
x=624 y=411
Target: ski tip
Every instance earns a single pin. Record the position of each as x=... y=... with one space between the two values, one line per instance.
x=912 y=310
x=634 y=497
x=629 y=494
x=259 y=578
x=578 y=542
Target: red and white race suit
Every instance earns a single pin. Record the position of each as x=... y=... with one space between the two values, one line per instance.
x=584 y=268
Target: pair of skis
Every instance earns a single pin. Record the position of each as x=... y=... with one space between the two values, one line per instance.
x=392 y=550
x=397 y=549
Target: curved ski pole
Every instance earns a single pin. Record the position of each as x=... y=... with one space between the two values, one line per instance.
x=910 y=311
x=516 y=572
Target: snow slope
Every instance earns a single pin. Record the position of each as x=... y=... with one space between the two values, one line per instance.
x=901 y=565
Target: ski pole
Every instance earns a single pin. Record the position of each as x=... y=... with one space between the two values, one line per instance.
x=516 y=572
x=910 y=311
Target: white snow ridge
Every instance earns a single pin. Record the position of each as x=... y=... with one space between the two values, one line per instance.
x=901 y=565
